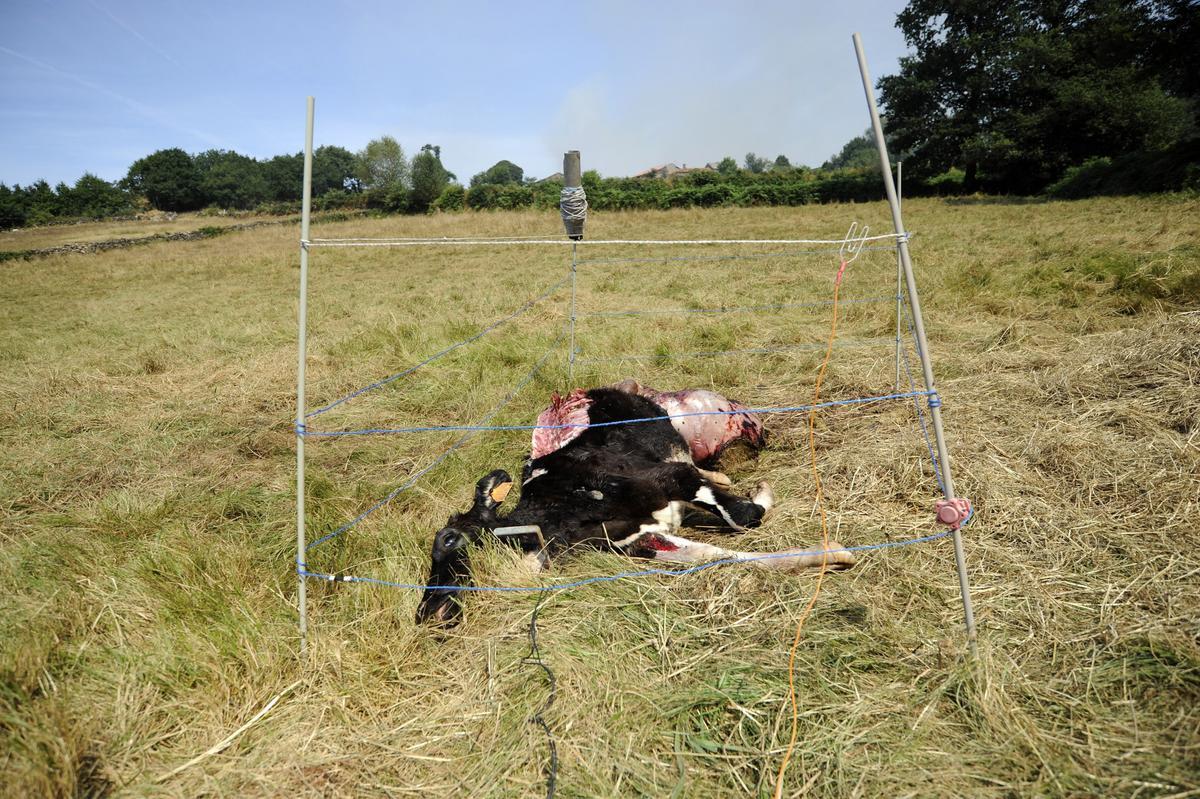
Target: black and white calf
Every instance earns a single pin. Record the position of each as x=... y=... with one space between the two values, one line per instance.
x=622 y=488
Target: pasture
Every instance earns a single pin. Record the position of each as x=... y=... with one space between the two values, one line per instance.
x=36 y=238
x=147 y=545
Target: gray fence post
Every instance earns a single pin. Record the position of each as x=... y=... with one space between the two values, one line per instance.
x=914 y=302
x=302 y=345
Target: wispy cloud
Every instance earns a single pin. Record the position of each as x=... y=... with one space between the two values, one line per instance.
x=140 y=108
x=134 y=33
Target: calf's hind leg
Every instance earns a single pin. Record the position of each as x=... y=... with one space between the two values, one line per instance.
x=683 y=482
x=674 y=549
x=732 y=512
x=724 y=512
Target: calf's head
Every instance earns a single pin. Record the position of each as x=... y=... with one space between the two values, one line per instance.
x=451 y=566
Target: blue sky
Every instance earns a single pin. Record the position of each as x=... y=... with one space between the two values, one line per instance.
x=93 y=85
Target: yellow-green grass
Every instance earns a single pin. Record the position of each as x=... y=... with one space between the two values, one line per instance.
x=36 y=238
x=146 y=485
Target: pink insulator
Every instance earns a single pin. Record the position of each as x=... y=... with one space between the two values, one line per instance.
x=952 y=512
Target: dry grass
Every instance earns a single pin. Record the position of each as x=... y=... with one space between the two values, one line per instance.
x=146 y=474
x=36 y=238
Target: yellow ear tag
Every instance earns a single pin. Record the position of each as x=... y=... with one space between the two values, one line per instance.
x=501 y=491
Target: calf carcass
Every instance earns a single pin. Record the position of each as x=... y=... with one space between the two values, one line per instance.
x=620 y=487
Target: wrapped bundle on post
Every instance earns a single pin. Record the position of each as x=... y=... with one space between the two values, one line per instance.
x=573 y=201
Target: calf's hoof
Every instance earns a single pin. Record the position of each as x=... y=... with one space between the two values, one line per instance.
x=764 y=497
x=716 y=478
x=836 y=558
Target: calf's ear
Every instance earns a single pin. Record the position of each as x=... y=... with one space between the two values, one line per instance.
x=491 y=490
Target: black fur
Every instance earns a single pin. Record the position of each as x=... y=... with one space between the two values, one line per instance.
x=598 y=489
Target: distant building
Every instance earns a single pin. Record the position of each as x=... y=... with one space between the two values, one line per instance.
x=671 y=170
x=557 y=177
x=660 y=171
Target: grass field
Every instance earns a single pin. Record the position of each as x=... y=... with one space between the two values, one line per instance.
x=146 y=486
x=36 y=238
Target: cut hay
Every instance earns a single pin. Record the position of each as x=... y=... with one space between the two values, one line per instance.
x=145 y=479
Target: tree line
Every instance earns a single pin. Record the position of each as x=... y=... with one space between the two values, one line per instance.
x=378 y=176
x=382 y=177
x=706 y=188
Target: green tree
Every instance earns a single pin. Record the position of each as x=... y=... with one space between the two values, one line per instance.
x=452 y=198
x=231 y=180
x=1014 y=93
x=857 y=153
x=942 y=104
x=1174 y=51
x=1097 y=92
x=429 y=178
x=284 y=177
x=782 y=162
x=382 y=166
x=42 y=203
x=591 y=180
x=168 y=179
x=92 y=197
x=727 y=166
x=756 y=164
x=499 y=173
x=12 y=207
x=333 y=170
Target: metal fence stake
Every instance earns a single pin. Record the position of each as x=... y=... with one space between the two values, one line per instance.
x=302 y=345
x=914 y=303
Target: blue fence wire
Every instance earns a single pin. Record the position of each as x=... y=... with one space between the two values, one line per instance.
x=478 y=427
x=493 y=326
x=666 y=356
x=456 y=445
x=933 y=397
x=735 y=308
x=683 y=259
